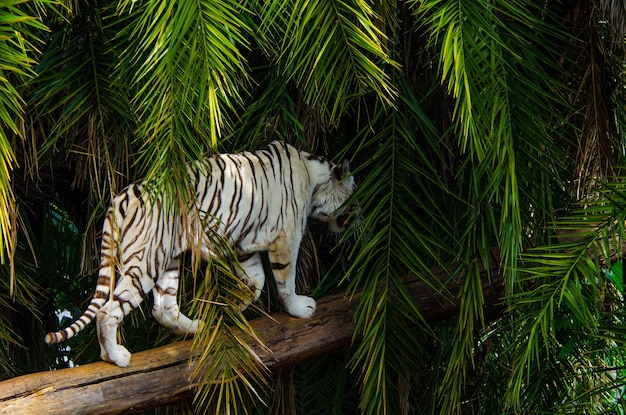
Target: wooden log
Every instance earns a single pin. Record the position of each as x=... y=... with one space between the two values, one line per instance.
x=162 y=375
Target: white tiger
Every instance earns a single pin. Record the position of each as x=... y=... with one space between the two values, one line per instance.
x=259 y=201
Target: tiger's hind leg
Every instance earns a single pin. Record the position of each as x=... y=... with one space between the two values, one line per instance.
x=252 y=274
x=126 y=297
x=165 y=309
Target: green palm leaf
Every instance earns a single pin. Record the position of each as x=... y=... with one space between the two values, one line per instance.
x=333 y=50
x=231 y=377
x=187 y=65
x=19 y=39
x=398 y=240
x=76 y=104
x=486 y=63
x=559 y=316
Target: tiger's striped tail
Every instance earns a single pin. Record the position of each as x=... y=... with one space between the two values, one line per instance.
x=108 y=252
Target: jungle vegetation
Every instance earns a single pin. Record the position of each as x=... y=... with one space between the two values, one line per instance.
x=481 y=132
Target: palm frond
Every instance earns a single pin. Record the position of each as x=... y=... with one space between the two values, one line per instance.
x=333 y=50
x=20 y=33
x=485 y=63
x=76 y=103
x=230 y=376
x=322 y=388
x=269 y=112
x=398 y=241
x=186 y=63
x=75 y=106
x=565 y=302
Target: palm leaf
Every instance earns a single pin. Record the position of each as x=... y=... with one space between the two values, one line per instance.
x=75 y=106
x=565 y=283
x=270 y=111
x=19 y=32
x=333 y=50
x=231 y=377
x=398 y=241
x=187 y=62
x=485 y=63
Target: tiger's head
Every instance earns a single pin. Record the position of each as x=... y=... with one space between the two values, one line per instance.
x=330 y=195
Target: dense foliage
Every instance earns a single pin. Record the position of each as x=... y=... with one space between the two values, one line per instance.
x=482 y=132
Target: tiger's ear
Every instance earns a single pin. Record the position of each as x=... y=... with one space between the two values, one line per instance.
x=341 y=171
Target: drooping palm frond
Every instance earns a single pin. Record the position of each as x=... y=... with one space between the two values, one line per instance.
x=333 y=50
x=75 y=105
x=270 y=111
x=322 y=388
x=569 y=319
x=398 y=223
x=80 y=123
x=20 y=34
x=187 y=67
x=231 y=377
x=486 y=61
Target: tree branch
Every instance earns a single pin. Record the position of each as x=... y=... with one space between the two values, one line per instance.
x=162 y=375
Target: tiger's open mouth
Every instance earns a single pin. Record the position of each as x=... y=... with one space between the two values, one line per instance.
x=343 y=220
x=340 y=222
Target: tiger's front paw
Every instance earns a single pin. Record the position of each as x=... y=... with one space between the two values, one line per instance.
x=301 y=306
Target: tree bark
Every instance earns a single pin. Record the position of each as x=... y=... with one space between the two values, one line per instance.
x=162 y=375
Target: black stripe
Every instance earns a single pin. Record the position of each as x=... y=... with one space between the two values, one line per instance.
x=100 y=294
x=278 y=265
x=245 y=257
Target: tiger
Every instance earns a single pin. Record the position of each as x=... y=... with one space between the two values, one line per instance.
x=257 y=201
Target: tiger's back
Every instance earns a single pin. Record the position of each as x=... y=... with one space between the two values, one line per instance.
x=248 y=197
